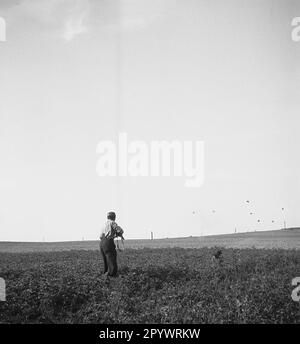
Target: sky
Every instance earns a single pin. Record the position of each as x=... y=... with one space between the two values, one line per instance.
x=76 y=72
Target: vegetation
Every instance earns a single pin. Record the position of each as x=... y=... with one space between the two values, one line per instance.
x=173 y=285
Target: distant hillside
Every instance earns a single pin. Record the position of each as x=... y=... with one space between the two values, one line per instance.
x=291 y=229
x=287 y=239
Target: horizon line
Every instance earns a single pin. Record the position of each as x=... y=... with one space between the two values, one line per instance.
x=163 y=238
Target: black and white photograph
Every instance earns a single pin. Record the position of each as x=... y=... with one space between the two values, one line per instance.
x=149 y=165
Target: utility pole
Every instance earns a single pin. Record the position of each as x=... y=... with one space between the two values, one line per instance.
x=284 y=222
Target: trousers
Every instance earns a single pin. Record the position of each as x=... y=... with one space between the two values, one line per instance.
x=109 y=256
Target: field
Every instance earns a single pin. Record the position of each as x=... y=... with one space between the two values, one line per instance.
x=155 y=285
x=287 y=239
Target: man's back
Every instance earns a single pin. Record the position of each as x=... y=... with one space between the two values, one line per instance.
x=110 y=229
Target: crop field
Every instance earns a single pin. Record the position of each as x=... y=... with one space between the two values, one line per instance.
x=287 y=239
x=155 y=285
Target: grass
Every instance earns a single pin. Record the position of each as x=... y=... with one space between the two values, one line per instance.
x=287 y=239
x=163 y=285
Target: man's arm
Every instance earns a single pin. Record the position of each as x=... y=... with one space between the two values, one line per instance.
x=102 y=233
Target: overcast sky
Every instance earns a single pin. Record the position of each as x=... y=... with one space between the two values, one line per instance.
x=73 y=73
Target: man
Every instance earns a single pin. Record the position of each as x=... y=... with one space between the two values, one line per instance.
x=107 y=246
